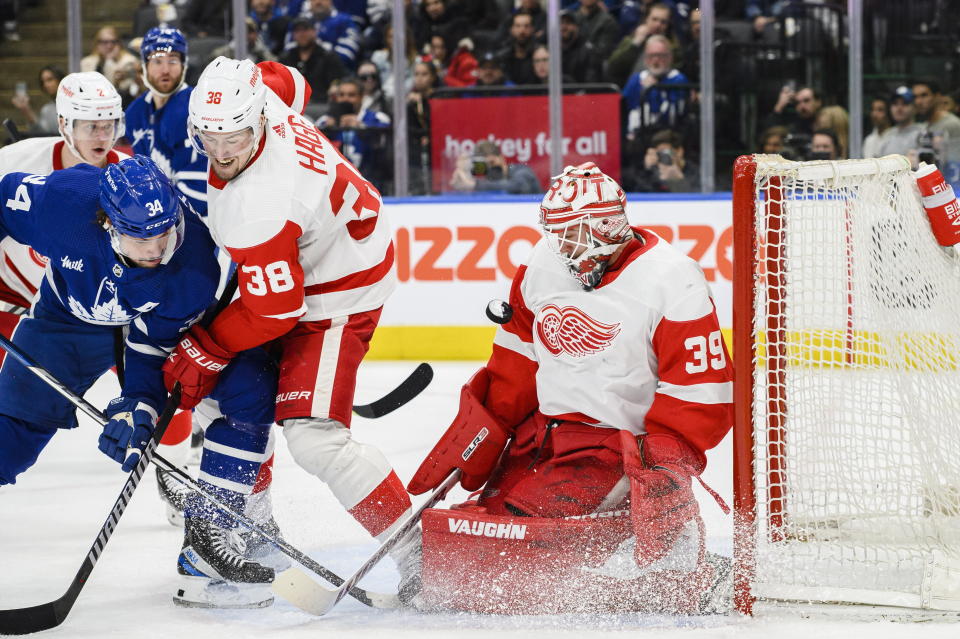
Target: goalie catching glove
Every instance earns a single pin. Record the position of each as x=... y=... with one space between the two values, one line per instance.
x=128 y=431
x=196 y=363
x=472 y=443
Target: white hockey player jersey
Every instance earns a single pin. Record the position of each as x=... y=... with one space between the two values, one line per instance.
x=305 y=229
x=21 y=268
x=641 y=352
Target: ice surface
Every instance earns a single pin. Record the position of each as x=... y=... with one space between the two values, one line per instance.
x=49 y=519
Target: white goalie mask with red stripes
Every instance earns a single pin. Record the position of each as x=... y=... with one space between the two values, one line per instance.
x=583 y=217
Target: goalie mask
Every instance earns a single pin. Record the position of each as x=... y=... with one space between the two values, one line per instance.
x=226 y=112
x=145 y=212
x=584 y=221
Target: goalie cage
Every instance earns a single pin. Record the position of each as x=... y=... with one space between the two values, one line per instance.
x=847 y=391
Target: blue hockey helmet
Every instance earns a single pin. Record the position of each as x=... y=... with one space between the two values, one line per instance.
x=141 y=203
x=163 y=41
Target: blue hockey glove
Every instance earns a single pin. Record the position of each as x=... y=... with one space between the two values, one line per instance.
x=128 y=431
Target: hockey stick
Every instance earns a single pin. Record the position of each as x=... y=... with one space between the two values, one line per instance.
x=409 y=388
x=372 y=599
x=12 y=130
x=18 y=621
x=306 y=594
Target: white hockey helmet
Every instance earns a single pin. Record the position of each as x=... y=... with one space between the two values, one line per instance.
x=88 y=96
x=583 y=217
x=229 y=97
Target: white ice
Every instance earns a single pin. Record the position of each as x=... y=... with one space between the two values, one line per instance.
x=50 y=517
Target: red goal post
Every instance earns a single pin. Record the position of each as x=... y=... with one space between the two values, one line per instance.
x=846 y=340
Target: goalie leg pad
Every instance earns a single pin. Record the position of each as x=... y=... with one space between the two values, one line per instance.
x=570 y=471
x=477 y=562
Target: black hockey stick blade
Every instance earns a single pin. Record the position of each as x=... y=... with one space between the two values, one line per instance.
x=12 y=130
x=409 y=388
x=21 y=621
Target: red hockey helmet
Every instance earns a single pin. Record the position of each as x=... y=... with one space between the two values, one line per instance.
x=583 y=216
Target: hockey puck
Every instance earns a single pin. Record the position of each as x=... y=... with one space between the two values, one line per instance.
x=499 y=312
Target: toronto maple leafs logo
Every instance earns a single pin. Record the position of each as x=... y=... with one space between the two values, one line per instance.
x=106 y=309
x=569 y=330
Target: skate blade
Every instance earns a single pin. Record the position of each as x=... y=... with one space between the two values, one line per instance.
x=202 y=592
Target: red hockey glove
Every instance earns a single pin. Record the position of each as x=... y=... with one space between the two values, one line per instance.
x=941 y=205
x=472 y=443
x=196 y=363
x=661 y=497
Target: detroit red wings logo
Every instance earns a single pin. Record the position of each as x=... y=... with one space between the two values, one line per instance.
x=569 y=330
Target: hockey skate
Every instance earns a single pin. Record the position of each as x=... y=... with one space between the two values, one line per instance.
x=408 y=555
x=261 y=550
x=173 y=494
x=215 y=574
x=718 y=599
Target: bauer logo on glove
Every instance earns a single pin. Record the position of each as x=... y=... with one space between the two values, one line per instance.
x=197 y=356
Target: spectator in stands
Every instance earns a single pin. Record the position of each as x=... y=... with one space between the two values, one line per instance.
x=795 y=109
x=824 y=145
x=271 y=22
x=46 y=122
x=337 y=31
x=537 y=13
x=836 y=119
x=927 y=99
x=518 y=55
x=691 y=50
x=598 y=27
x=665 y=167
x=490 y=71
x=627 y=58
x=438 y=18
x=579 y=60
x=904 y=134
x=373 y=97
x=319 y=66
x=208 y=18
x=383 y=58
x=425 y=82
x=772 y=140
x=257 y=51
x=111 y=59
x=651 y=103
x=458 y=69
x=359 y=133
x=880 y=118
x=541 y=64
x=487 y=170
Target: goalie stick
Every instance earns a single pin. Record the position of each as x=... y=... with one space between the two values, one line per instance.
x=372 y=599
x=297 y=588
x=409 y=388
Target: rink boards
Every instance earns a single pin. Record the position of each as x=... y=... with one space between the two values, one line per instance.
x=453 y=255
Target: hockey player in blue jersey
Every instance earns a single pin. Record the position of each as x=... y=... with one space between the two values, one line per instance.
x=157 y=120
x=125 y=250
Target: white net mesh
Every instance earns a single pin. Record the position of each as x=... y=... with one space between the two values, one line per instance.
x=856 y=412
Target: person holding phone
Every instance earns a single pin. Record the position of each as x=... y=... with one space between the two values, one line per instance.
x=44 y=123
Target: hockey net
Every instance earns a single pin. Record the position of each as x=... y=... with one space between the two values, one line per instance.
x=847 y=352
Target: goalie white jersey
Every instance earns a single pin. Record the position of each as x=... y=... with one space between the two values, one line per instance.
x=299 y=191
x=641 y=352
x=21 y=267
